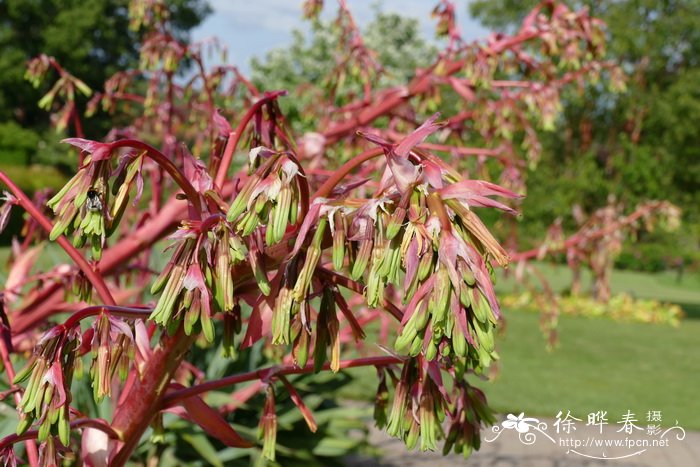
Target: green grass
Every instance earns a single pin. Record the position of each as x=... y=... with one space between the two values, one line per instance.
x=599 y=365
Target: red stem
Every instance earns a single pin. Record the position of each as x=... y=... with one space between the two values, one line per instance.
x=327 y=188
x=167 y=165
x=238 y=132
x=30 y=445
x=387 y=101
x=92 y=275
x=174 y=397
x=585 y=236
x=124 y=312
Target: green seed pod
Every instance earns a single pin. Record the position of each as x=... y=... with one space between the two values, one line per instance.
x=406 y=337
x=411 y=439
x=484 y=334
x=281 y=317
x=207 y=326
x=261 y=279
x=25 y=422
x=425 y=266
x=301 y=348
x=25 y=372
x=294 y=209
x=338 y=240
x=248 y=223
x=416 y=346
x=64 y=427
x=465 y=295
x=421 y=316
x=279 y=219
x=459 y=342
x=191 y=317
x=480 y=306
x=395 y=222
x=431 y=351
x=239 y=204
x=468 y=277
x=363 y=254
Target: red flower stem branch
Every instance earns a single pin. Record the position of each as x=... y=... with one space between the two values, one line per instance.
x=357 y=288
x=238 y=132
x=160 y=159
x=174 y=397
x=95 y=423
x=30 y=445
x=143 y=397
x=92 y=275
x=77 y=124
x=122 y=311
x=327 y=188
x=586 y=236
x=387 y=101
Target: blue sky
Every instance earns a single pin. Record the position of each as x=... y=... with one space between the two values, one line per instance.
x=252 y=27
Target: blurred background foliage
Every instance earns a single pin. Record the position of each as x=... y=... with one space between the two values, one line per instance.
x=640 y=144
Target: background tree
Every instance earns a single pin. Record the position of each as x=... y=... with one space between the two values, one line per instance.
x=640 y=144
x=396 y=41
x=90 y=38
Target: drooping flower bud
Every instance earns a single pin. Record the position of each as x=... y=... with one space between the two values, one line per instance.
x=270 y=196
x=267 y=429
x=327 y=332
x=112 y=353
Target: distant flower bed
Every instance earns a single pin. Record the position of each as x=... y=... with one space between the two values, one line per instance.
x=622 y=307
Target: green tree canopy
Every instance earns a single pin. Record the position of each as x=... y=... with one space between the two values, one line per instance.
x=89 y=38
x=640 y=144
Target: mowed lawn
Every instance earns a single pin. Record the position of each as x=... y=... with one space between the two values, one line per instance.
x=601 y=364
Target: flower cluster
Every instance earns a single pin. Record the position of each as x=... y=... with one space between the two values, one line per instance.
x=420 y=234
x=47 y=396
x=295 y=288
x=267 y=429
x=469 y=413
x=269 y=197
x=83 y=207
x=197 y=280
x=112 y=350
x=419 y=405
x=423 y=401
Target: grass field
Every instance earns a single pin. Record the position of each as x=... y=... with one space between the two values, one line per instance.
x=599 y=365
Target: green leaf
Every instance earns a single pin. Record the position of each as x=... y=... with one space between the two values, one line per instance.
x=204 y=448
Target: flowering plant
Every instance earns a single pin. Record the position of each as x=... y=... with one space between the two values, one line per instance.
x=290 y=251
